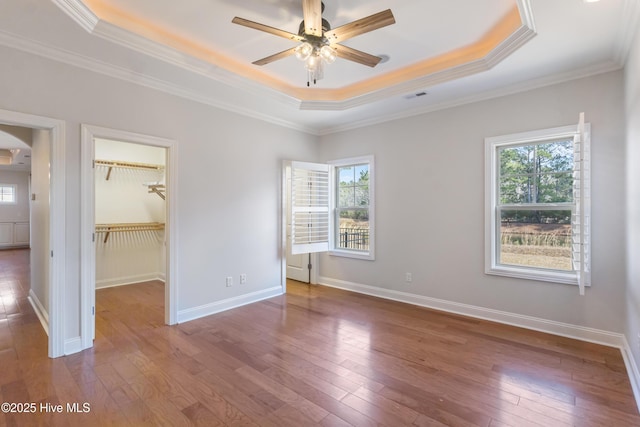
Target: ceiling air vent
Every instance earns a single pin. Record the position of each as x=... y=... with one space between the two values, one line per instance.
x=416 y=95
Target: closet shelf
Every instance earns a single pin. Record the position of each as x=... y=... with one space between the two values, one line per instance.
x=127 y=227
x=128 y=165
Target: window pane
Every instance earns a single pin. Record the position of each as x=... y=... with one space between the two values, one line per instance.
x=346 y=176
x=362 y=174
x=353 y=230
x=555 y=156
x=536 y=239
x=555 y=187
x=347 y=197
x=7 y=194
x=516 y=160
x=536 y=173
x=516 y=189
x=361 y=196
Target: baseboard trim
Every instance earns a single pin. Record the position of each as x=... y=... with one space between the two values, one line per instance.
x=632 y=370
x=72 y=345
x=39 y=309
x=128 y=280
x=582 y=333
x=227 y=304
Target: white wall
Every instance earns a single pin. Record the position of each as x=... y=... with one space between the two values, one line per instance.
x=632 y=98
x=136 y=256
x=430 y=203
x=228 y=174
x=40 y=156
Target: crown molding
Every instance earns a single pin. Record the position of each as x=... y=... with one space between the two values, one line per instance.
x=203 y=66
x=507 y=47
x=84 y=17
x=526 y=14
x=484 y=96
x=80 y=13
x=627 y=31
x=40 y=49
x=170 y=55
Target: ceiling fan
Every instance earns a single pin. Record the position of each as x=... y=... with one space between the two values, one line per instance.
x=319 y=43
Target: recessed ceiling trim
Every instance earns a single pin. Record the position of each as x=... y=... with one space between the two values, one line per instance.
x=40 y=49
x=429 y=75
x=79 y=12
x=191 y=63
x=144 y=37
x=482 y=96
x=526 y=14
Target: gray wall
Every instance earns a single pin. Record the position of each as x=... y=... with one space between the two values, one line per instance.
x=430 y=203
x=632 y=92
x=229 y=173
x=430 y=191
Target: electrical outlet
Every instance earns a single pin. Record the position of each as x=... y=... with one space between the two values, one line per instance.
x=243 y=278
x=408 y=277
x=229 y=281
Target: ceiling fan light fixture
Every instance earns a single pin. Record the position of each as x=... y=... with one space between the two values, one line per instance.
x=312 y=62
x=328 y=54
x=304 y=51
x=319 y=43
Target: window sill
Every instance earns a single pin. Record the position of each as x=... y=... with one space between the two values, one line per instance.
x=533 y=274
x=352 y=254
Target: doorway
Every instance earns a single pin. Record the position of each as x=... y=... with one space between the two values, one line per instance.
x=297 y=265
x=51 y=242
x=99 y=231
x=299 y=186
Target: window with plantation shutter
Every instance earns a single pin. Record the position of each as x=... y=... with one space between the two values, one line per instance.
x=309 y=207
x=537 y=205
x=332 y=208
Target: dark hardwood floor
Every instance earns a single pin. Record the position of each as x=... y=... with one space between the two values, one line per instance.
x=316 y=356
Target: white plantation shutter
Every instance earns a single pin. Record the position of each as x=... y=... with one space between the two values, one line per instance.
x=309 y=207
x=580 y=218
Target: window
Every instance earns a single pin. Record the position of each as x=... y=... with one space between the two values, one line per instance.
x=332 y=207
x=352 y=208
x=538 y=205
x=7 y=193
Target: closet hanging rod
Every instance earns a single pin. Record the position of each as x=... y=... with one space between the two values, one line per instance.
x=127 y=227
x=128 y=165
x=159 y=189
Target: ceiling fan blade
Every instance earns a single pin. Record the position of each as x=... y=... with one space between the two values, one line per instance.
x=266 y=29
x=361 y=26
x=275 y=57
x=312 y=13
x=354 y=55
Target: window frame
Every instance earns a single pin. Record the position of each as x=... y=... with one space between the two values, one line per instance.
x=334 y=224
x=14 y=187
x=492 y=207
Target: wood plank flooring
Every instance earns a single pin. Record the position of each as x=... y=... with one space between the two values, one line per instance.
x=314 y=357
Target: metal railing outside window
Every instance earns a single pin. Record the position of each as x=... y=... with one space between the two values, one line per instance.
x=354 y=238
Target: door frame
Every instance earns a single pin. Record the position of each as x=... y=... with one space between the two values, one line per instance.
x=314 y=258
x=54 y=325
x=87 y=224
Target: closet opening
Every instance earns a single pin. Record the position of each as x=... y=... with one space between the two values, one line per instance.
x=130 y=214
x=127 y=260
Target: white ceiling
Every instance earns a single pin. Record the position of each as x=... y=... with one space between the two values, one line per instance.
x=15 y=153
x=146 y=41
